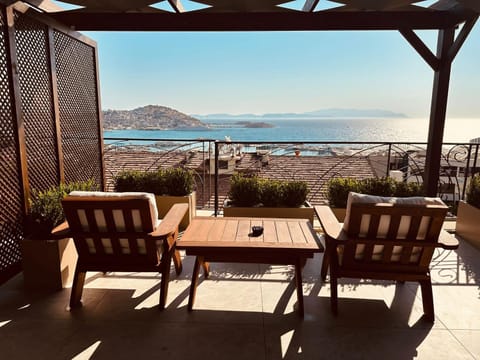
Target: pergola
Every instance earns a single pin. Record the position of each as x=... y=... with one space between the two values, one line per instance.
x=404 y=16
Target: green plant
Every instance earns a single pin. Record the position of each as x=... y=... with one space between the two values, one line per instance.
x=244 y=190
x=171 y=181
x=407 y=189
x=251 y=191
x=46 y=210
x=177 y=181
x=473 y=191
x=378 y=186
x=295 y=193
x=338 y=189
x=272 y=193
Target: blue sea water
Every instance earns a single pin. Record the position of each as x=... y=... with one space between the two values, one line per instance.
x=374 y=130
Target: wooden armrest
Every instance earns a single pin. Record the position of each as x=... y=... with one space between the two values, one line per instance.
x=171 y=221
x=447 y=241
x=61 y=231
x=332 y=228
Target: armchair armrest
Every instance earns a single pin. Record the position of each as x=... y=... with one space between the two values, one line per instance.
x=171 y=221
x=332 y=228
x=61 y=231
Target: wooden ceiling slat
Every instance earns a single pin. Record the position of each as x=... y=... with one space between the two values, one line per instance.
x=263 y=21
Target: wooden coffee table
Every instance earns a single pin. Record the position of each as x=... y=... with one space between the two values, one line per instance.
x=283 y=242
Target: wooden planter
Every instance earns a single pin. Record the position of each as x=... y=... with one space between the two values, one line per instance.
x=468 y=223
x=304 y=212
x=165 y=202
x=48 y=265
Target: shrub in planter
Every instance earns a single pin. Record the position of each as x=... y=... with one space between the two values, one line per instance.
x=46 y=210
x=177 y=181
x=295 y=193
x=338 y=189
x=253 y=197
x=171 y=181
x=378 y=186
x=468 y=215
x=244 y=190
x=473 y=191
x=49 y=264
x=272 y=193
x=407 y=189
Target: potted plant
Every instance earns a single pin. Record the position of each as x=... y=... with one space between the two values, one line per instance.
x=338 y=189
x=49 y=264
x=468 y=213
x=251 y=196
x=170 y=186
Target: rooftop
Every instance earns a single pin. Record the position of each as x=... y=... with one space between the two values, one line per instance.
x=248 y=311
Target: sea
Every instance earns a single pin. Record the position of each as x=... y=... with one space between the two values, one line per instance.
x=324 y=130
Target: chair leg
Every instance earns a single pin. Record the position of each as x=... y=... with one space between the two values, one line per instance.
x=427 y=299
x=177 y=261
x=77 y=288
x=165 y=279
x=325 y=265
x=333 y=294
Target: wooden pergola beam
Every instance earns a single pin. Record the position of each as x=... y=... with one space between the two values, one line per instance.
x=438 y=111
x=261 y=21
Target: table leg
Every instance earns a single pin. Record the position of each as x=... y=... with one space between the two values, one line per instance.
x=193 y=285
x=298 y=280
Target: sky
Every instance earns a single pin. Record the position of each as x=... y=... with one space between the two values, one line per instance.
x=265 y=72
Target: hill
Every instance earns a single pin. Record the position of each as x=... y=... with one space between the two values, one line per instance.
x=150 y=117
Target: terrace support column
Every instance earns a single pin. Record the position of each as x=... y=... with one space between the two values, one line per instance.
x=441 y=63
x=438 y=111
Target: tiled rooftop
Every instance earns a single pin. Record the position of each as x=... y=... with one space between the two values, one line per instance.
x=248 y=312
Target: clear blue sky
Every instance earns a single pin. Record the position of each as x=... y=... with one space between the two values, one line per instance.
x=201 y=73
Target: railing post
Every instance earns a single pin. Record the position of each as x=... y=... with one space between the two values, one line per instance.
x=216 y=178
x=466 y=172
x=388 y=159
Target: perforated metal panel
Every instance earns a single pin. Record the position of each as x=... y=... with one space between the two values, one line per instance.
x=11 y=205
x=37 y=109
x=77 y=92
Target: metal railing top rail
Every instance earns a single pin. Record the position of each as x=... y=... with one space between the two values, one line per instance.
x=246 y=142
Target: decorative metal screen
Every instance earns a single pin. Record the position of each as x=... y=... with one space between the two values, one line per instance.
x=78 y=102
x=11 y=204
x=35 y=87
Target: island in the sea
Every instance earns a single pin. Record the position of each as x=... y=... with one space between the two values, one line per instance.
x=150 y=117
x=254 y=124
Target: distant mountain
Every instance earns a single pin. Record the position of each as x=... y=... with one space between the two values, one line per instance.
x=325 y=113
x=150 y=117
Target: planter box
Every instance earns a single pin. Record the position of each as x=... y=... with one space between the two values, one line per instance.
x=305 y=212
x=48 y=265
x=339 y=213
x=468 y=223
x=165 y=202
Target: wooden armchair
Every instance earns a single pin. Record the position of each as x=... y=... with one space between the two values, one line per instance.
x=120 y=232
x=387 y=239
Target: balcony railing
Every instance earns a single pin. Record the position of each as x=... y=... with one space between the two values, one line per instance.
x=213 y=163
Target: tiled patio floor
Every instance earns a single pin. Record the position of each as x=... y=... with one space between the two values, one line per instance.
x=248 y=312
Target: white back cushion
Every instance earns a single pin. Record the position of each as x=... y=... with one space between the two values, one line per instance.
x=118 y=214
x=384 y=223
